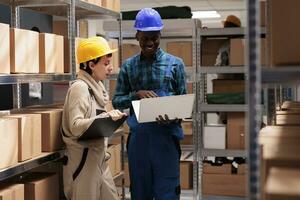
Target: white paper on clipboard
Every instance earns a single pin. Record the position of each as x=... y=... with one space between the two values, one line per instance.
x=179 y=106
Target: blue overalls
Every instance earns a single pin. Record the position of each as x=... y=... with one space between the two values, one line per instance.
x=154 y=156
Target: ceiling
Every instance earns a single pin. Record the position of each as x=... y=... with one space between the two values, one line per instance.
x=223 y=7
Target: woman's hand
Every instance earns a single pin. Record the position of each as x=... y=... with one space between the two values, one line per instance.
x=116 y=114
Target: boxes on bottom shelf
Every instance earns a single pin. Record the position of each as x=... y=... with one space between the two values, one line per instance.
x=236 y=130
x=40 y=186
x=186 y=174
x=224 y=184
x=288 y=117
x=12 y=192
x=216 y=169
x=9 y=142
x=214 y=137
x=5 y=49
x=114 y=162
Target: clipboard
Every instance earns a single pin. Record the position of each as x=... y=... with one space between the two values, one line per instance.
x=178 y=106
x=102 y=127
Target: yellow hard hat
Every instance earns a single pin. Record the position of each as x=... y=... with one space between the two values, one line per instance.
x=91 y=48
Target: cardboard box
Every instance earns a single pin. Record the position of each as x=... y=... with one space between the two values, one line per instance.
x=288 y=117
x=237 y=52
x=190 y=88
x=210 y=49
x=36 y=147
x=216 y=169
x=236 y=130
x=283 y=183
x=214 y=137
x=25 y=135
x=224 y=184
x=186 y=174
x=242 y=169
x=283 y=43
x=262 y=8
x=187 y=127
x=129 y=50
x=187 y=140
x=109 y=4
x=183 y=50
x=228 y=86
x=24 y=51
x=18 y=191
x=41 y=186
x=114 y=162
x=5 y=49
x=117 y=6
x=115 y=56
x=9 y=142
x=51 y=136
x=51 y=53
x=6 y=194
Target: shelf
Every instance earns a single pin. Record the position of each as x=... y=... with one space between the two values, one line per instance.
x=224 y=153
x=59 y=8
x=28 y=78
x=281 y=75
x=190 y=75
x=187 y=28
x=222 y=70
x=223 y=108
x=210 y=197
x=118 y=176
x=30 y=164
x=223 y=32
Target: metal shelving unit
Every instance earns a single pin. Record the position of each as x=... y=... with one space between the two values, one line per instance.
x=223 y=107
x=25 y=166
x=73 y=10
x=210 y=197
x=224 y=153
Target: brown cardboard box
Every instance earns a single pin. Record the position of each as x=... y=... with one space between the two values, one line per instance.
x=187 y=127
x=183 y=50
x=25 y=135
x=242 y=169
x=186 y=174
x=228 y=86
x=117 y=5
x=262 y=8
x=290 y=105
x=237 y=52
x=6 y=194
x=109 y=4
x=288 y=117
x=36 y=148
x=112 y=87
x=115 y=56
x=283 y=183
x=187 y=140
x=214 y=169
x=51 y=53
x=51 y=137
x=5 y=49
x=236 y=130
x=283 y=38
x=24 y=51
x=9 y=142
x=129 y=50
x=224 y=184
x=115 y=160
x=41 y=186
x=190 y=88
x=209 y=49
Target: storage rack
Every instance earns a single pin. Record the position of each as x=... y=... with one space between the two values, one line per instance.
x=187 y=31
x=74 y=10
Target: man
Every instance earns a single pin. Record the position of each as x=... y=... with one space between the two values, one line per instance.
x=153 y=148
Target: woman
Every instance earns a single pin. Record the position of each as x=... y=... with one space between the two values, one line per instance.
x=86 y=174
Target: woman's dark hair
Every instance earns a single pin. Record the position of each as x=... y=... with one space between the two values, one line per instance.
x=85 y=66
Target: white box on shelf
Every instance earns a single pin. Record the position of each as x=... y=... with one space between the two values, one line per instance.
x=214 y=137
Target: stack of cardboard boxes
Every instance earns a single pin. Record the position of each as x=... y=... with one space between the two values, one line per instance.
x=109 y=4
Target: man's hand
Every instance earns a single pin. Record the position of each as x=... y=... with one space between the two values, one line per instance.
x=141 y=94
x=166 y=120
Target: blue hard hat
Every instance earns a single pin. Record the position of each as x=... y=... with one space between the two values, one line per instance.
x=148 y=19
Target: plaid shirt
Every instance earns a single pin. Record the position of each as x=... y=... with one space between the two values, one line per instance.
x=137 y=74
